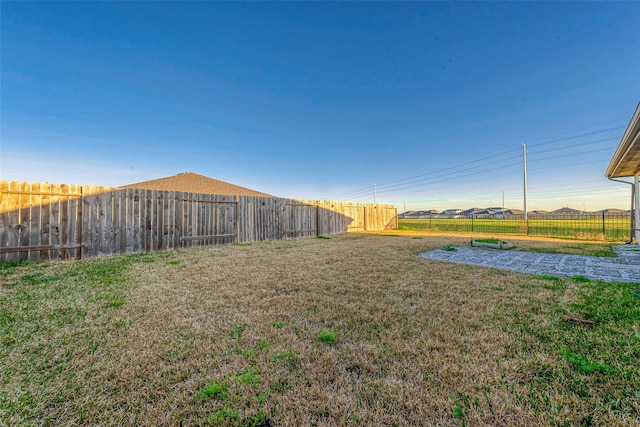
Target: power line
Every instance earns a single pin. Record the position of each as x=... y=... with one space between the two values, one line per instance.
x=572 y=146
x=351 y=192
x=388 y=185
x=574 y=136
x=455 y=166
x=570 y=155
x=564 y=165
x=453 y=172
x=435 y=180
x=428 y=181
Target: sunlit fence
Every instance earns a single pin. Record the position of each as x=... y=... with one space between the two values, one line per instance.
x=587 y=226
x=42 y=221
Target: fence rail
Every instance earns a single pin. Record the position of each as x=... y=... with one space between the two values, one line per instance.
x=55 y=221
x=586 y=226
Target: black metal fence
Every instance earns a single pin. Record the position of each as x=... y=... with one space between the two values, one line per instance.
x=585 y=226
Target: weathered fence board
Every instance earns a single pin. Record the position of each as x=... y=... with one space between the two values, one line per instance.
x=41 y=221
x=38 y=221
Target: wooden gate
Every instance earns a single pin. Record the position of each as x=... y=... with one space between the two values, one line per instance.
x=301 y=220
x=211 y=220
x=358 y=218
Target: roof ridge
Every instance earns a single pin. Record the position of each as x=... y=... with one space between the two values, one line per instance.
x=191 y=182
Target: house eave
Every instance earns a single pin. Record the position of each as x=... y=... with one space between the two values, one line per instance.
x=626 y=159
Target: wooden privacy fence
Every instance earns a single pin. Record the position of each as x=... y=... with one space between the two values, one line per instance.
x=58 y=221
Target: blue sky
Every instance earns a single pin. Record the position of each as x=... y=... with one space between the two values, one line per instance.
x=430 y=101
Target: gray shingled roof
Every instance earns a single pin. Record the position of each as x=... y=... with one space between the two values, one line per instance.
x=190 y=182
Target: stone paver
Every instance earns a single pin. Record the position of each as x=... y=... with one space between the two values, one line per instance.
x=624 y=268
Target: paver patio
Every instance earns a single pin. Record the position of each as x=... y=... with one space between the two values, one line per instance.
x=624 y=268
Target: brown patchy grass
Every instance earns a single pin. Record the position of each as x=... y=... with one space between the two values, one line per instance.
x=239 y=335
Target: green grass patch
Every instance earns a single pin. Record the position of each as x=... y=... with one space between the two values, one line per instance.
x=44 y=318
x=597 y=250
x=586 y=364
x=122 y=323
x=592 y=358
x=586 y=228
x=457 y=411
x=327 y=337
x=280 y=385
x=237 y=331
x=37 y=278
x=549 y=277
x=115 y=303
x=491 y=241
x=213 y=390
x=287 y=358
x=247 y=376
x=258 y=420
x=226 y=413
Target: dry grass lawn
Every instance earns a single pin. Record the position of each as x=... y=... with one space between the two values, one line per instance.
x=352 y=330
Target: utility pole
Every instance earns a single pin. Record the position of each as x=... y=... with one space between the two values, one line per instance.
x=374 y=193
x=524 y=165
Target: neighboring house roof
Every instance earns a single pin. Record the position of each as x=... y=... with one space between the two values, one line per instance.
x=613 y=211
x=515 y=211
x=626 y=159
x=190 y=182
x=566 y=211
x=474 y=211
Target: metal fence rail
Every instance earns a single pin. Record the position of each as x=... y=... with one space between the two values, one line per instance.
x=586 y=226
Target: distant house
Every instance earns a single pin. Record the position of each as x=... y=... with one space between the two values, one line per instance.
x=625 y=163
x=515 y=212
x=473 y=211
x=566 y=211
x=190 y=182
x=451 y=212
x=538 y=212
x=613 y=211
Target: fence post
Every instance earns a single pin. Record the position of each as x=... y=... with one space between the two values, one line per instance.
x=236 y=232
x=472 y=215
x=365 y=216
x=603 y=230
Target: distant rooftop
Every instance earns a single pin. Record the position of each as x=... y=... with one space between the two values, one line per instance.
x=190 y=182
